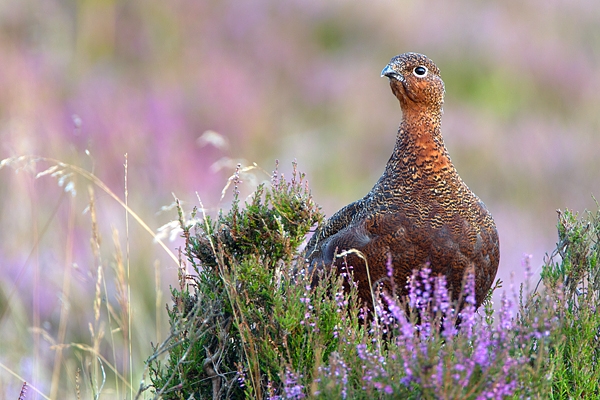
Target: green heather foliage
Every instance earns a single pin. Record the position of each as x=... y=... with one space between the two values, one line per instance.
x=247 y=323
x=572 y=278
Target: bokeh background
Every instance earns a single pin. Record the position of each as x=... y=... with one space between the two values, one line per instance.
x=189 y=88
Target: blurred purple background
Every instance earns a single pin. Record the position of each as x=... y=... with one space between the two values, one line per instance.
x=278 y=80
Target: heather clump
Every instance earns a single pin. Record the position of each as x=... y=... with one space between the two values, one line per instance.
x=425 y=346
x=247 y=308
x=571 y=288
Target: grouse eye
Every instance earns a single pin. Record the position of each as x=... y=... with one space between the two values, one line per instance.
x=420 y=71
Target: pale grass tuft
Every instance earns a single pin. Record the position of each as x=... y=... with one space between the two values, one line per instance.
x=242 y=174
x=28 y=163
x=123 y=316
x=94 y=352
x=213 y=138
x=77 y=389
x=128 y=303
x=171 y=230
x=98 y=296
x=204 y=219
x=226 y=163
x=360 y=255
x=65 y=304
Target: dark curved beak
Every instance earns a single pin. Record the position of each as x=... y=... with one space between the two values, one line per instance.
x=390 y=73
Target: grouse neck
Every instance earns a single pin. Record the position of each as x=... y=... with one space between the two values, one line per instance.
x=421 y=132
x=420 y=146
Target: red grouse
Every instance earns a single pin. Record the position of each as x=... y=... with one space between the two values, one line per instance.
x=420 y=211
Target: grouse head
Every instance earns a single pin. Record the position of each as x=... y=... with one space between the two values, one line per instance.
x=415 y=80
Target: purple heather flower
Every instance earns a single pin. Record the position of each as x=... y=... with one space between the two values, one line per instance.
x=361 y=351
x=480 y=352
x=441 y=300
x=390 y=267
x=341 y=300
x=505 y=324
x=241 y=376
x=394 y=309
x=426 y=283
x=438 y=377
x=468 y=312
x=526 y=264
x=412 y=292
x=339 y=370
x=292 y=389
